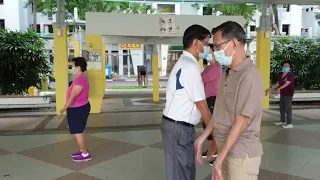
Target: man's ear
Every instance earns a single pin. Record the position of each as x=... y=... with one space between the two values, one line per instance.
x=236 y=42
x=194 y=42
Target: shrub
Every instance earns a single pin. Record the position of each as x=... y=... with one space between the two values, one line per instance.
x=304 y=53
x=22 y=61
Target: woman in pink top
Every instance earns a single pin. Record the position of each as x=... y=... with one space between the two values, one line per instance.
x=78 y=108
x=211 y=77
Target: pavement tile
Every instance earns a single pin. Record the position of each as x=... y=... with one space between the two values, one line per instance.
x=101 y=150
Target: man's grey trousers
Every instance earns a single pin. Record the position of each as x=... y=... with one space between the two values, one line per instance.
x=179 y=150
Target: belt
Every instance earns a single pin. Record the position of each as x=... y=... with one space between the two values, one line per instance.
x=178 y=122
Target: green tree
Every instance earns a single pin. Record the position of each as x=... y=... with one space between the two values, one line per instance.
x=304 y=53
x=49 y=7
x=22 y=61
x=318 y=17
x=247 y=11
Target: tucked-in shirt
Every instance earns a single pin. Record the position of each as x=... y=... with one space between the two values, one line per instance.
x=240 y=93
x=211 y=77
x=289 y=90
x=185 y=87
x=82 y=98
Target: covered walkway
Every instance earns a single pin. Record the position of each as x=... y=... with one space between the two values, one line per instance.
x=127 y=145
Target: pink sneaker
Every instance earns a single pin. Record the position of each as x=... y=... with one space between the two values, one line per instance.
x=81 y=158
x=76 y=154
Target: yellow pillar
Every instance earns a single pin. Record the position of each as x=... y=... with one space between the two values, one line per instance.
x=76 y=45
x=44 y=83
x=263 y=60
x=60 y=66
x=201 y=63
x=95 y=73
x=155 y=70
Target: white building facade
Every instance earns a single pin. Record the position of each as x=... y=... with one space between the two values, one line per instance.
x=14 y=16
x=310 y=25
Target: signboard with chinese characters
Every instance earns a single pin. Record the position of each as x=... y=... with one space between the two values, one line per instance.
x=167 y=24
x=130 y=46
x=94 y=61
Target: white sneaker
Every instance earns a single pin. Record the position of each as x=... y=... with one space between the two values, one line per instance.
x=288 y=126
x=280 y=123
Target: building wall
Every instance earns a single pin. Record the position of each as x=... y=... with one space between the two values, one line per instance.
x=310 y=26
x=15 y=15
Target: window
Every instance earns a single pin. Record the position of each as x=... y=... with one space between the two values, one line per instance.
x=38 y=28
x=307 y=10
x=2 y=24
x=50 y=28
x=252 y=28
x=207 y=11
x=285 y=29
x=288 y=8
x=1 y=2
x=311 y=8
x=166 y=8
x=50 y=17
x=306 y=30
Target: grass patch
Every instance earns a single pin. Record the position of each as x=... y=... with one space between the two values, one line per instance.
x=134 y=87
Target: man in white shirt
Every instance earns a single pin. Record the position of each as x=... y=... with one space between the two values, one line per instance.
x=185 y=104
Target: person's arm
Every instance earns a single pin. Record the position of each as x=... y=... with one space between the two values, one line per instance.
x=76 y=89
x=204 y=110
x=245 y=107
x=284 y=85
x=193 y=84
x=275 y=86
x=239 y=125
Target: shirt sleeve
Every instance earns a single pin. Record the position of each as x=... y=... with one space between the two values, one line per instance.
x=247 y=97
x=193 y=84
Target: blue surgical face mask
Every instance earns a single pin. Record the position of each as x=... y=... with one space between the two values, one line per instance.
x=285 y=69
x=209 y=57
x=221 y=57
x=206 y=51
x=73 y=71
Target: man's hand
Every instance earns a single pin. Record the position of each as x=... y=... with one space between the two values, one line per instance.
x=198 y=148
x=61 y=113
x=217 y=169
x=267 y=91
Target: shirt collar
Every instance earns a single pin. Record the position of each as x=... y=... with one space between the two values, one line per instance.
x=240 y=66
x=186 y=53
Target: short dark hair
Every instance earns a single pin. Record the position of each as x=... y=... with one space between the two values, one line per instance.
x=80 y=62
x=213 y=31
x=231 y=30
x=287 y=62
x=194 y=32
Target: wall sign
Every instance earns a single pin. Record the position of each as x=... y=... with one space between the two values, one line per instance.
x=167 y=24
x=94 y=60
x=130 y=46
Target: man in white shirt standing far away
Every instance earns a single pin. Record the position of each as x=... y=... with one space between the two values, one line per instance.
x=185 y=104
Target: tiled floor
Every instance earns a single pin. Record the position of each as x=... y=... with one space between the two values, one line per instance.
x=128 y=145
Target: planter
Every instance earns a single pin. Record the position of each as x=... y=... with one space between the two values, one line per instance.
x=301 y=95
x=24 y=100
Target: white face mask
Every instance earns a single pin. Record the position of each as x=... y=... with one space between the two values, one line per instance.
x=221 y=57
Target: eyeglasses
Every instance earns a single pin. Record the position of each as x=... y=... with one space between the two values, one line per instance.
x=217 y=47
x=205 y=43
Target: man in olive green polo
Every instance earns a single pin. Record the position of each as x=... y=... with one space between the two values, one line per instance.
x=238 y=111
